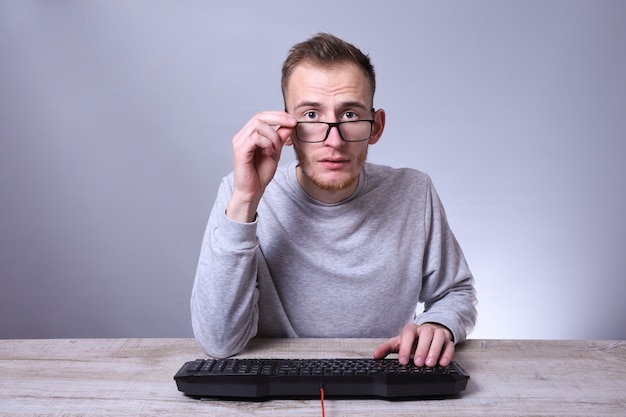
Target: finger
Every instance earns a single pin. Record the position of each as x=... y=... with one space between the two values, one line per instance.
x=424 y=341
x=264 y=120
x=276 y=119
x=256 y=136
x=447 y=353
x=282 y=123
x=436 y=347
x=407 y=343
x=268 y=140
x=390 y=346
x=285 y=134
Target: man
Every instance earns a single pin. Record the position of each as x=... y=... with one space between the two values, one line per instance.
x=330 y=246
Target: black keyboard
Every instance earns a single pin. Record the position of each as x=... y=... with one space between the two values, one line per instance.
x=303 y=378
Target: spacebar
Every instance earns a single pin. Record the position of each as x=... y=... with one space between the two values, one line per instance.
x=309 y=386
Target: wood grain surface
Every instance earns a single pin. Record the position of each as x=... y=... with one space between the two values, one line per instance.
x=134 y=377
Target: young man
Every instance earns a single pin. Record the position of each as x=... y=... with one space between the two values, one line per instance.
x=330 y=246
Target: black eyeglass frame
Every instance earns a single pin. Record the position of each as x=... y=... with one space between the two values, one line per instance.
x=337 y=125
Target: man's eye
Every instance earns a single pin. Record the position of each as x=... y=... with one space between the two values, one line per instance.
x=311 y=115
x=350 y=115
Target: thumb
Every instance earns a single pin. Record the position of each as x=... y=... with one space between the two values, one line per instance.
x=284 y=132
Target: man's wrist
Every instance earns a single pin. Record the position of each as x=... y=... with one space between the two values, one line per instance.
x=241 y=212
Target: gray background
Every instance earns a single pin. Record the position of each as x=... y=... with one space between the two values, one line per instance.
x=116 y=119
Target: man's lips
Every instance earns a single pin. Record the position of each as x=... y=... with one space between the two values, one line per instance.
x=333 y=159
x=333 y=162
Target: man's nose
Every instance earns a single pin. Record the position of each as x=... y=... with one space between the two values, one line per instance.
x=334 y=137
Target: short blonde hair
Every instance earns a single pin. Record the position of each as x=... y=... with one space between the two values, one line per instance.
x=326 y=50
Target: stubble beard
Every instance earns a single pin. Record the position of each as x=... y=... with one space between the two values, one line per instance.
x=331 y=186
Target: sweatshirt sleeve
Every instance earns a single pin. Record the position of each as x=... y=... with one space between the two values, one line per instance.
x=448 y=289
x=224 y=310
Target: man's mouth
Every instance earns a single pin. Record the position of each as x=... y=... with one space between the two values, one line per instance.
x=333 y=162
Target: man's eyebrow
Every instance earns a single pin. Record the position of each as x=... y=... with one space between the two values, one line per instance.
x=314 y=104
x=346 y=104
x=355 y=104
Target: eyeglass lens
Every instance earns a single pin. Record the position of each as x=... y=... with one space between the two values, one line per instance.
x=349 y=131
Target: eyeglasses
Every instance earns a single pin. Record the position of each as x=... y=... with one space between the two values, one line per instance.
x=349 y=131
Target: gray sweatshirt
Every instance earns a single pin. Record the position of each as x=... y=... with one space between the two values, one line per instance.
x=357 y=268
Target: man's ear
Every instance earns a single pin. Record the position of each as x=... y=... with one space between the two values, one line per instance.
x=378 y=127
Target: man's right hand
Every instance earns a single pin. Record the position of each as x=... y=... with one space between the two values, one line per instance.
x=256 y=152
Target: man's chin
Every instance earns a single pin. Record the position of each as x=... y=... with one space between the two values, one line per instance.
x=333 y=185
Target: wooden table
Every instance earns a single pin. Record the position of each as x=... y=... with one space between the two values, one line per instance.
x=134 y=377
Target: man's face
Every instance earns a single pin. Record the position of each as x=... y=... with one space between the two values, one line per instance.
x=329 y=170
